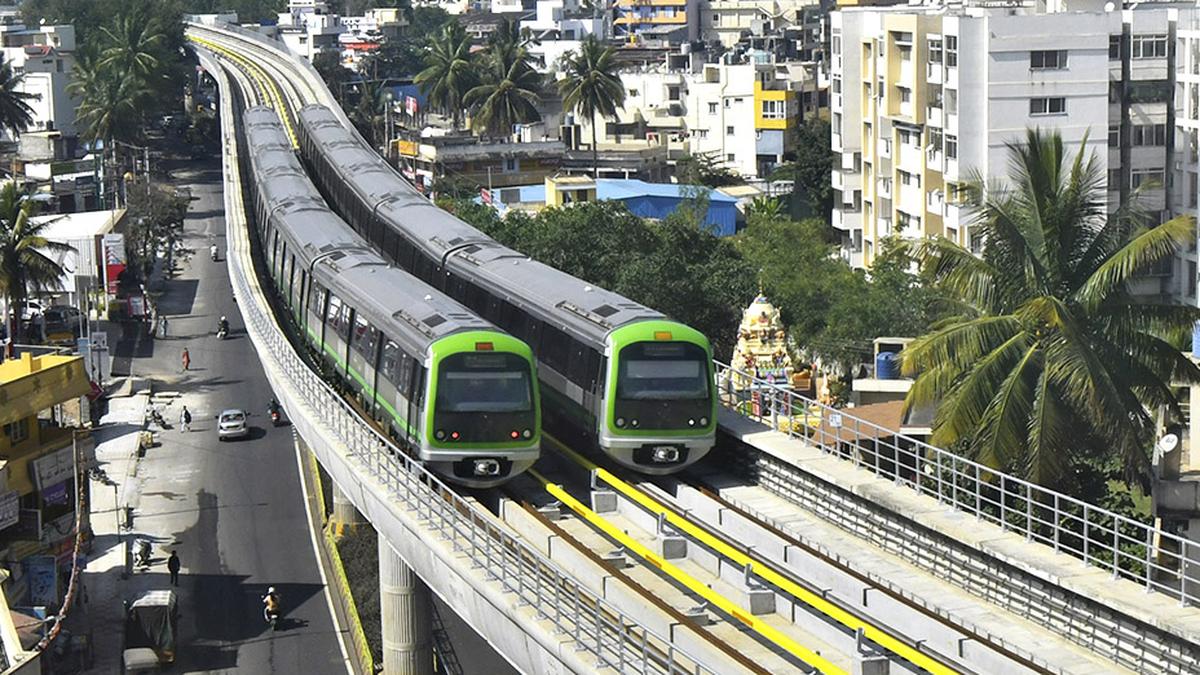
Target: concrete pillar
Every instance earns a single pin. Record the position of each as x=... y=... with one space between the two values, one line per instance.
x=344 y=515
x=405 y=615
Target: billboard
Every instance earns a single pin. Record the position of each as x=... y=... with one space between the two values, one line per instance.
x=114 y=260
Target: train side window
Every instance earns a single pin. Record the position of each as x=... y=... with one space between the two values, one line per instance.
x=389 y=360
x=404 y=252
x=594 y=376
x=531 y=329
x=316 y=299
x=339 y=317
x=364 y=338
x=555 y=347
x=577 y=366
x=493 y=310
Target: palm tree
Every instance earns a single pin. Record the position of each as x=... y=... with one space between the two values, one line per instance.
x=1050 y=358
x=508 y=94
x=450 y=71
x=109 y=103
x=592 y=87
x=24 y=263
x=132 y=46
x=15 y=113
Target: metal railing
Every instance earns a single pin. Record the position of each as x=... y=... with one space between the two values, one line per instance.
x=597 y=627
x=1131 y=550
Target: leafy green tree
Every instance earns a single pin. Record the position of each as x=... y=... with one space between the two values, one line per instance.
x=369 y=114
x=24 y=263
x=591 y=87
x=812 y=166
x=428 y=20
x=508 y=90
x=705 y=169
x=108 y=107
x=132 y=46
x=1050 y=358
x=450 y=72
x=15 y=113
x=335 y=76
x=156 y=216
x=394 y=60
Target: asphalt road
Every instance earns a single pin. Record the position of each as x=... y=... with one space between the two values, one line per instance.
x=247 y=529
x=234 y=510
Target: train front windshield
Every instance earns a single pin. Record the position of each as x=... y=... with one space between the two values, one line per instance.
x=663 y=371
x=484 y=383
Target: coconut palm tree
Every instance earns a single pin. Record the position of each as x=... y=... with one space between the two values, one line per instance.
x=591 y=87
x=108 y=102
x=133 y=46
x=24 y=263
x=508 y=94
x=15 y=113
x=1050 y=358
x=450 y=71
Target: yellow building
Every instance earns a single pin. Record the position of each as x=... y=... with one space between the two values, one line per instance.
x=37 y=459
x=563 y=190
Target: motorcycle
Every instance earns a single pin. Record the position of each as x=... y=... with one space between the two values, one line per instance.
x=143 y=553
x=275 y=412
x=213 y=252
x=272 y=615
x=221 y=333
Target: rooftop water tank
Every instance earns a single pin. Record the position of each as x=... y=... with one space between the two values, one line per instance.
x=887 y=366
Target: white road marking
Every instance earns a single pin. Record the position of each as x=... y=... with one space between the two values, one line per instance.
x=312 y=531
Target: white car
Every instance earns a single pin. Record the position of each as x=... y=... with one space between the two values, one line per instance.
x=232 y=424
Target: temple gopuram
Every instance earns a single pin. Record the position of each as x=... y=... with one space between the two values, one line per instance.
x=762 y=349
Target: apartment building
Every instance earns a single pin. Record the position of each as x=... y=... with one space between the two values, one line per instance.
x=728 y=21
x=925 y=99
x=741 y=115
x=673 y=20
x=44 y=57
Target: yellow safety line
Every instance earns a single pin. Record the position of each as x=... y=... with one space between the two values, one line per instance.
x=694 y=585
x=257 y=73
x=769 y=575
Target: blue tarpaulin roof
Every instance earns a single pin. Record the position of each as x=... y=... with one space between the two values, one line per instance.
x=655 y=200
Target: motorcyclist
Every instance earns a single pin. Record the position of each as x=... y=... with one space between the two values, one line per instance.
x=212 y=250
x=223 y=326
x=271 y=604
x=273 y=407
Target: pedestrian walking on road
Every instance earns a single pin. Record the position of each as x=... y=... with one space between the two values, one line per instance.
x=173 y=568
x=187 y=359
x=162 y=326
x=185 y=419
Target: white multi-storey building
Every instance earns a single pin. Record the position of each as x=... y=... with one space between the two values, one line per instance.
x=728 y=21
x=742 y=116
x=925 y=99
x=44 y=57
x=309 y=28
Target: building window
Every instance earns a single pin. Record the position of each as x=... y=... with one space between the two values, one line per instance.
x=1048 y=105
x=910 y=179
x=17 y=431
x=1048 y=59
x=512 y=165
x=1114 y=47
x=1148 y=134
x=1114 y=135
x=905 y=94
x=835 y=85
x=910 y=137
x=738 y=100
x=773 y=110
x=712 y=108
x=1114 y=179
x=951 y=147
x=730 y=157
x=904 y=220
x=701 y=133
x=1151 y=178
x=633 y=92
x=935 y=51
x=1192 y=278
x=728 y=104
x=1149 y=47
x=1150 y=91
x=672 y=93
x=951 y=101
x=952 y=51
x=729 y=131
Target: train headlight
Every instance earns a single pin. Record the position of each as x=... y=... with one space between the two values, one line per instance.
x=487 y=467
x=666 y=454
x=454 y=435
x=441 y=434
x=691 y=422
x=703 y=421
x=528 y=433
x=620 y=421
x=633 y=423
x=515 y=434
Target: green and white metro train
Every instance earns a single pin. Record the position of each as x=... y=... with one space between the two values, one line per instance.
x=455 y=391
x=638 y=385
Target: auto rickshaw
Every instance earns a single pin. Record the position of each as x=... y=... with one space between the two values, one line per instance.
x=151 y=628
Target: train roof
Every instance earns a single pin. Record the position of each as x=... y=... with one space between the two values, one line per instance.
x=395 y=302
x=554 y=295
